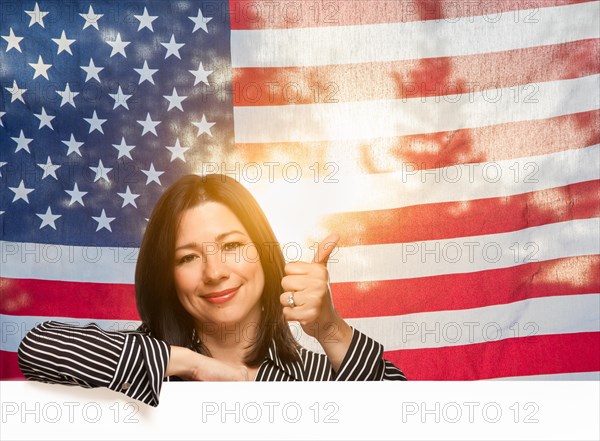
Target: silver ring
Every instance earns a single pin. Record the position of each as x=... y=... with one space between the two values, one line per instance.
x=290 y=300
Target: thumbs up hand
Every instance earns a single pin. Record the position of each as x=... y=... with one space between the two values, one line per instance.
x=308 y=285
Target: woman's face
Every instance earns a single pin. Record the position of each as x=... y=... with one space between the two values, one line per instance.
x=218 y=275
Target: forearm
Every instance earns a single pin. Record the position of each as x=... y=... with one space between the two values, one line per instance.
x=190 y=365
x=335 y=338
x=180 y=362
x=56 y=352
x=129 y=362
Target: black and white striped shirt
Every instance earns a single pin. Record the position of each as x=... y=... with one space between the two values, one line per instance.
x=134 y=363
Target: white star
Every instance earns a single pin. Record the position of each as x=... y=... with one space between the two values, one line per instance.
x=103 y=221
x=146 y=73
x=1 y=115
x=200 y=22
x=95 y=123
x=2 y=164
x=174 y=100
x=118 y=46
x=22 y=142
x=201 y=75
x=91 y=18
x=101 y=172
x=21 y=192
x=92 y=71
x=120 y=99
x=173 y=47
x=149 y=125
x=48 y=218
x=145 y=20
x=68 y=97
x=177 y=151
x=17 y=94
x=45 y=119
x=49 y=169
x=204 y=126
x=123 y=148
x=40 y=68
x=76 y=195
x=64 y=44
x=128 y=197
x=13 y=41
x=37 y=16
x=152 y=175
x=73 y=145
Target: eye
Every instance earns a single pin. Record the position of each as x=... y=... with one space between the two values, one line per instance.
x=186 y=259
x=231 y=246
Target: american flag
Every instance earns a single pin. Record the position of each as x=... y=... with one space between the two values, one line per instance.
x=453 y=145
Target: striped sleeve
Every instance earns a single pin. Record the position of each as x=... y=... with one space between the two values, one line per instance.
x=131 y=363
x=364 y=362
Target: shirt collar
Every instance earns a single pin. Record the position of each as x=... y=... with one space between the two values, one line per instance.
x=294 y=369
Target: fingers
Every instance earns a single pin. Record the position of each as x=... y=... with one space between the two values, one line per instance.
x=305 y=268
x=305 y=282
x=284 y=299
x=308 y=284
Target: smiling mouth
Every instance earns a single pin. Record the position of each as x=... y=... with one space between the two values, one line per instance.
x=221 y=296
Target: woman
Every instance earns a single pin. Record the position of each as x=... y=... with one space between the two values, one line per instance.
x=209 y=282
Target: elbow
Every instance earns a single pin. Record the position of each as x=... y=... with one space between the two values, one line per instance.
x=25 y=358
x=24 y=361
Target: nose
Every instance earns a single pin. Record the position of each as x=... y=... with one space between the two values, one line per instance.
x=214 y=269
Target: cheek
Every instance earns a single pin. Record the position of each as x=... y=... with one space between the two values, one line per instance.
x=259 y=277
x=183 y=280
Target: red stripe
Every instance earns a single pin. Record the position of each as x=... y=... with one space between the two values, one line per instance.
x=428 y=151
x=566 y=276
x=68 y=299
x=268 y=14
x=9 y=366
x=418 y=78
x=471 y=218
x=544 y=354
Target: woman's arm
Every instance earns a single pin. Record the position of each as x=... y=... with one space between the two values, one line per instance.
x=363 y=361
x=350 y=354
x=308 y=285
x=128 y=362
x=132 y=363
x=190 y=365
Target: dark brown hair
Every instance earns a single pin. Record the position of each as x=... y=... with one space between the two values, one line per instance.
x=156 y=297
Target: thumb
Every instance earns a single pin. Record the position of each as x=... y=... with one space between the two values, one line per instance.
x=325 y=248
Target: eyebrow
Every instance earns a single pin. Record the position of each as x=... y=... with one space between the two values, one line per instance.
x=219 y=238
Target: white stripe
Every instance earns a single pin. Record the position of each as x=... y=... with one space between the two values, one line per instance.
x=408 y=187
x=466 y=254
x=413 y=40
x=532 y=317
x=573 y=376
x=363 y=120
x=15 y=327
x=23 y=260
x=579 y=237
